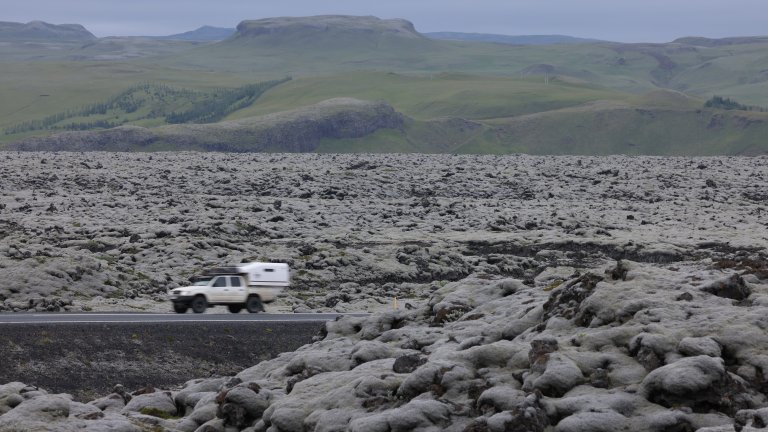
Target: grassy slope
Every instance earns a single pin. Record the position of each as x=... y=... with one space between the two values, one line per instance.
x=558 y=118
x=590 y=62
x=635 y=68
x=741 y=73
x=111 y=48
x=734 y=71
x=580 y=132
x=660 y=122
x=33 y=90
x=435 y=95
x=629 y=131
x=484 y=81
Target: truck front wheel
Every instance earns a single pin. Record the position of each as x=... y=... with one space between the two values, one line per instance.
x=253 y=305
x=199 y=304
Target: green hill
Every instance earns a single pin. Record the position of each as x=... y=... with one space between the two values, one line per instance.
x=456 y=96
x=601 y=128
x=329 y=45
x=353 y=126
x=149 y=105
x=436 y=95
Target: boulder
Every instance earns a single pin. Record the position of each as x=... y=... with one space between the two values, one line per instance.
x=408 y=363
x=695 y=346
x=732 y=287
x=37 y=413
x=560 y=375
x=700 y=382
x=242 y=404
x=152 y=403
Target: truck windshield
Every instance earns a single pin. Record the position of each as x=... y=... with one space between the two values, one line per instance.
x=201 y=282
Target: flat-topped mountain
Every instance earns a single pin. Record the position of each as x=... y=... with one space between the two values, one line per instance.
x=39 y=30
x=336 y=35
x=327 y=24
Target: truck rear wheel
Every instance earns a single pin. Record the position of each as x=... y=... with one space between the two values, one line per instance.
x=235 y=308
x=253 y=305
x=199 y=304
x=179 y=308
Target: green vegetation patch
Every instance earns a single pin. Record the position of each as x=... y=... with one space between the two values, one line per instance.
x=719 y=102
x=150 y=104
x=155 y=412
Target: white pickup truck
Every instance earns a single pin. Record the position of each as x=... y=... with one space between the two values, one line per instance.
x=246 y=286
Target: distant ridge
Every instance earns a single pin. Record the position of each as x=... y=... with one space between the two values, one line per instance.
x=42 y=31
x=708 y=42
x=202 y=34
x=507 y=39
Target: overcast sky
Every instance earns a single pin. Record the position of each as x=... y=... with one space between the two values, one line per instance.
x=618 y=20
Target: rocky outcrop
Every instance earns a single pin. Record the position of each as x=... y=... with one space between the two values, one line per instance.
x=399 y=371
x=293 y=131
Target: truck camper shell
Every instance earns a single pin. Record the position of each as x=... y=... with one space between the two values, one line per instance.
x=257 y=273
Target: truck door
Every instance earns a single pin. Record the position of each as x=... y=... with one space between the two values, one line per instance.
x=219 y=289
x=236 y=290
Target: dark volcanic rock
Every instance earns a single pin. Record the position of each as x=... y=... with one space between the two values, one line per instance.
x=732 y=287
x=540 y=350
x=698 y=382
x=408 y=363
x=565 y=301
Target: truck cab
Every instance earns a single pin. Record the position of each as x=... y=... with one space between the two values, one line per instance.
x=247 y=286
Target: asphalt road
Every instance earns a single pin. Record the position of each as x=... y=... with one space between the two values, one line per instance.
x=129 y=317
x=86 y=354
